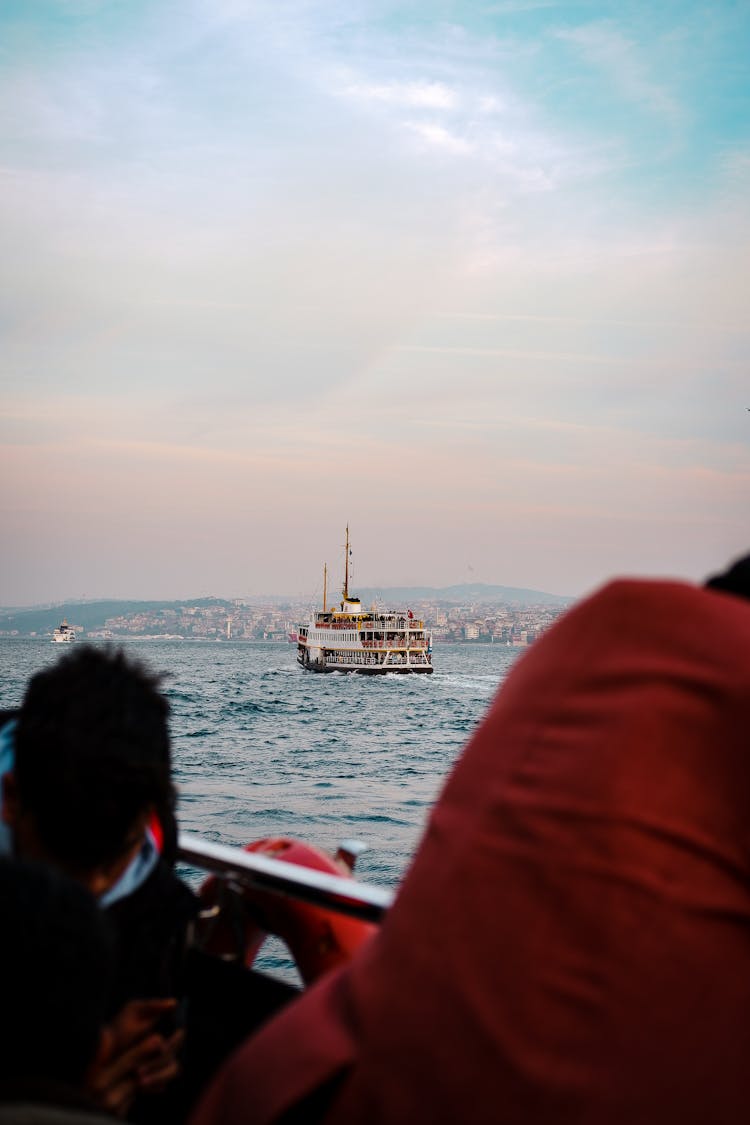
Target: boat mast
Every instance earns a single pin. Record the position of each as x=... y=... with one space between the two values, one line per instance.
x=325 y=584
x=346 y=566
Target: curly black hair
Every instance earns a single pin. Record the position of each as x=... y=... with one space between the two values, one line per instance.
x=93 y=755
x=735 y=580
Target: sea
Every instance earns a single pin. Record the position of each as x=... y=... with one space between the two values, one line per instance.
x=262 y=748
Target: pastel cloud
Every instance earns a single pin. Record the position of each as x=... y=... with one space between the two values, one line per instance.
x=620 y=59
x=439 y=137
x=425 y=95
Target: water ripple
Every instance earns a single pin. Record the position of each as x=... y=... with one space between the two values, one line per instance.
x=264 y=749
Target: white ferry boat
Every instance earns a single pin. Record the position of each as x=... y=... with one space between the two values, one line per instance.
x=352 y=639
x=64 y=634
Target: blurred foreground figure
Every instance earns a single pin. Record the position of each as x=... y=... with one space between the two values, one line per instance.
x=57 y=963
x=572 y=941
x=87 y=790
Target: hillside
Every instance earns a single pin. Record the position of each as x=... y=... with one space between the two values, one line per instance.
x=86 y=615
x=90 y=616
x=475 y=592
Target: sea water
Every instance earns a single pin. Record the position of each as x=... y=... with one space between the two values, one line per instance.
x=262 y=748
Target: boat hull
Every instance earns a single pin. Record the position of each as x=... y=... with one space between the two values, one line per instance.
x=371 y=670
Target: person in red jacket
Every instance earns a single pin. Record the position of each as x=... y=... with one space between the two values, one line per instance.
x=572 y=941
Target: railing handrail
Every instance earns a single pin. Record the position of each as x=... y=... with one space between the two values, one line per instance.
x=344 y=896
x=391 y=622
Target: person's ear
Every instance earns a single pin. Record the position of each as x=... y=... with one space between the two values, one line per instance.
x=9 y=810
x=101 y=879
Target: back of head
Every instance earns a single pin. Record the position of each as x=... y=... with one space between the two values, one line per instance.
x=734 y=580
x=56 y=954
x=92 y=755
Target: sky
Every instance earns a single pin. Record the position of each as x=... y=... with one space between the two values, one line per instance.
x=471 y=277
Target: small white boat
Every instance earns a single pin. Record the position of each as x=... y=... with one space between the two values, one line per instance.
x=64 y=634
x=371 y=642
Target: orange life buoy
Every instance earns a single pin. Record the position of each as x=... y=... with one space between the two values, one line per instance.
x=318 y=939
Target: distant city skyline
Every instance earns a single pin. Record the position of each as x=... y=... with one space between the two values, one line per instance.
x=469 y=276
x=484 y=593
x=513 y=622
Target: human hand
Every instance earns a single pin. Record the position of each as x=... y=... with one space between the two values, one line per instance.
x=135 y=1056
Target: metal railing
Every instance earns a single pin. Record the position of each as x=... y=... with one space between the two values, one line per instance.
x=305 y=884
x=377 y=624
x=417 y=643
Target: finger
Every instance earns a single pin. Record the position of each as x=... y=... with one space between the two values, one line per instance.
x=117 y=1099
x=154 y=1081
x=124 y=1065
x=138 y=1012
x=167 y=1056
x=174 y=1043
x=138 y=1017
x=153 y=1005
x=162 y=1068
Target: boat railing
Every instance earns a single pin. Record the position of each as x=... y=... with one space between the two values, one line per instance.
x=377 y=624
x=398 y=642
x=260 y=872
x=397 y=623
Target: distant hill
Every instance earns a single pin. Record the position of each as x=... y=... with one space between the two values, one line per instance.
x=463 y=594
x=88 y=615
x=93 y=615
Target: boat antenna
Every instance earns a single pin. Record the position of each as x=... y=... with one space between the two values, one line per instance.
x=325 y=585
x=346 y=566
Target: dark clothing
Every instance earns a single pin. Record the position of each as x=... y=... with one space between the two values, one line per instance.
x=572 y=942
x=226 y=1003
x=37 y=1113
x=38 y=1101
x=220 y=1003
x=151 y=927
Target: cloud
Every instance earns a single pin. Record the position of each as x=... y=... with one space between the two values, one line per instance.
x=735 y=170
x=422 y=95
x=512 y=7
x=437 y=136
x=490 y=103
x=622 y=60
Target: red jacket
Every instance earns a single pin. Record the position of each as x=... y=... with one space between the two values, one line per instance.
x=572 y=941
